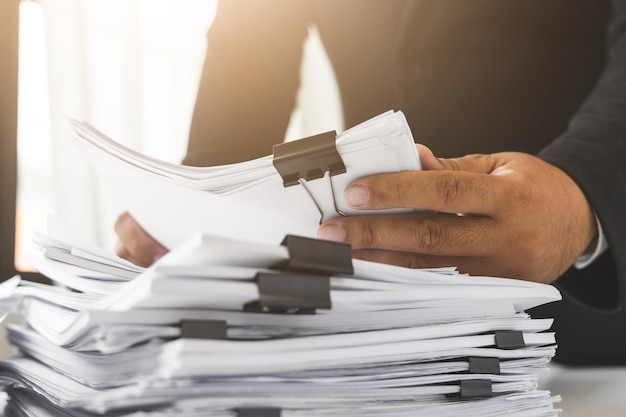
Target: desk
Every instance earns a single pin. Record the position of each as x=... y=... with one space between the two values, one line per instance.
x=586 y=392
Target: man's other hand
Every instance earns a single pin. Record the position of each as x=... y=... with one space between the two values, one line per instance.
x=135 y=244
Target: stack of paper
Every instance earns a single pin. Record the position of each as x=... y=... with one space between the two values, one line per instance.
x=233 y=323
x=200 y=334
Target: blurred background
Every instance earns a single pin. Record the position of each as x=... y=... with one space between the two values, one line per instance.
x=131 y=68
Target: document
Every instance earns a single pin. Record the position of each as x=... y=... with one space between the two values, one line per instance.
x=247 y=200
x=249 y=315
x=393 y=341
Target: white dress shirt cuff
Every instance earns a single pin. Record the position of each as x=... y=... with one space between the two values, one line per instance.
x=592 y=253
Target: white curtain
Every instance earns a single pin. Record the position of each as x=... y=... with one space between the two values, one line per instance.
x=131 y=68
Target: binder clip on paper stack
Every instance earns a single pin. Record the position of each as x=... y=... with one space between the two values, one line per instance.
x=234 y=326
x=261 y=200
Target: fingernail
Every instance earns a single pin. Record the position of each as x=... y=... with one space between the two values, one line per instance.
x=332 y=232
x=356 y=195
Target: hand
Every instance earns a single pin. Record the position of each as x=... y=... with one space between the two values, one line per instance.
x=135 y=244
x=505 y=214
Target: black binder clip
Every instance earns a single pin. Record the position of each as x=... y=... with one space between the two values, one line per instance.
x=290 y=292
x=258 y=412
x=316 y=256
x=301 y=284
x=476 y=388
x=510 y=339
x=484 y=365
x=309 y=159
x=203 y=329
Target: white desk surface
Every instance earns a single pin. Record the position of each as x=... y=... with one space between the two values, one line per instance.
x=587 y=392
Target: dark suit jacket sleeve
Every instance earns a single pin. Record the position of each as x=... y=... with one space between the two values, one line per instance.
x=593 y=152
x=249 y=81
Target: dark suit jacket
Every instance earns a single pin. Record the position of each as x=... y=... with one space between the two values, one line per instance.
x=546 y=77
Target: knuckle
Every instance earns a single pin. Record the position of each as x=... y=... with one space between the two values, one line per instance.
x=453 y=164
x=396 y=191
x=477 y=157
x=368 y=235
x=448 y=189
x=360 y=233
x=389 y=189
x=430 y=236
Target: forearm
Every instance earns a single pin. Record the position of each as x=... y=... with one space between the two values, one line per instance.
x=249 y=81
x=592 y=152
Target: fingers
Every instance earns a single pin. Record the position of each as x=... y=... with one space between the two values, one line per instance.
x=443 y=191
x=428 y=159
x=457 y=185
x=477 y=163
x=135 y=244
x=405 y=259
x=423 y=233
x=124 y=253
x=464 y=265
x=476 y=266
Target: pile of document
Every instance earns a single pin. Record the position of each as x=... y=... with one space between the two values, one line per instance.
x=223 y=327
x=232 y=322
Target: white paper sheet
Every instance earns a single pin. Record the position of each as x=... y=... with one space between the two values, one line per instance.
x=245 y=200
